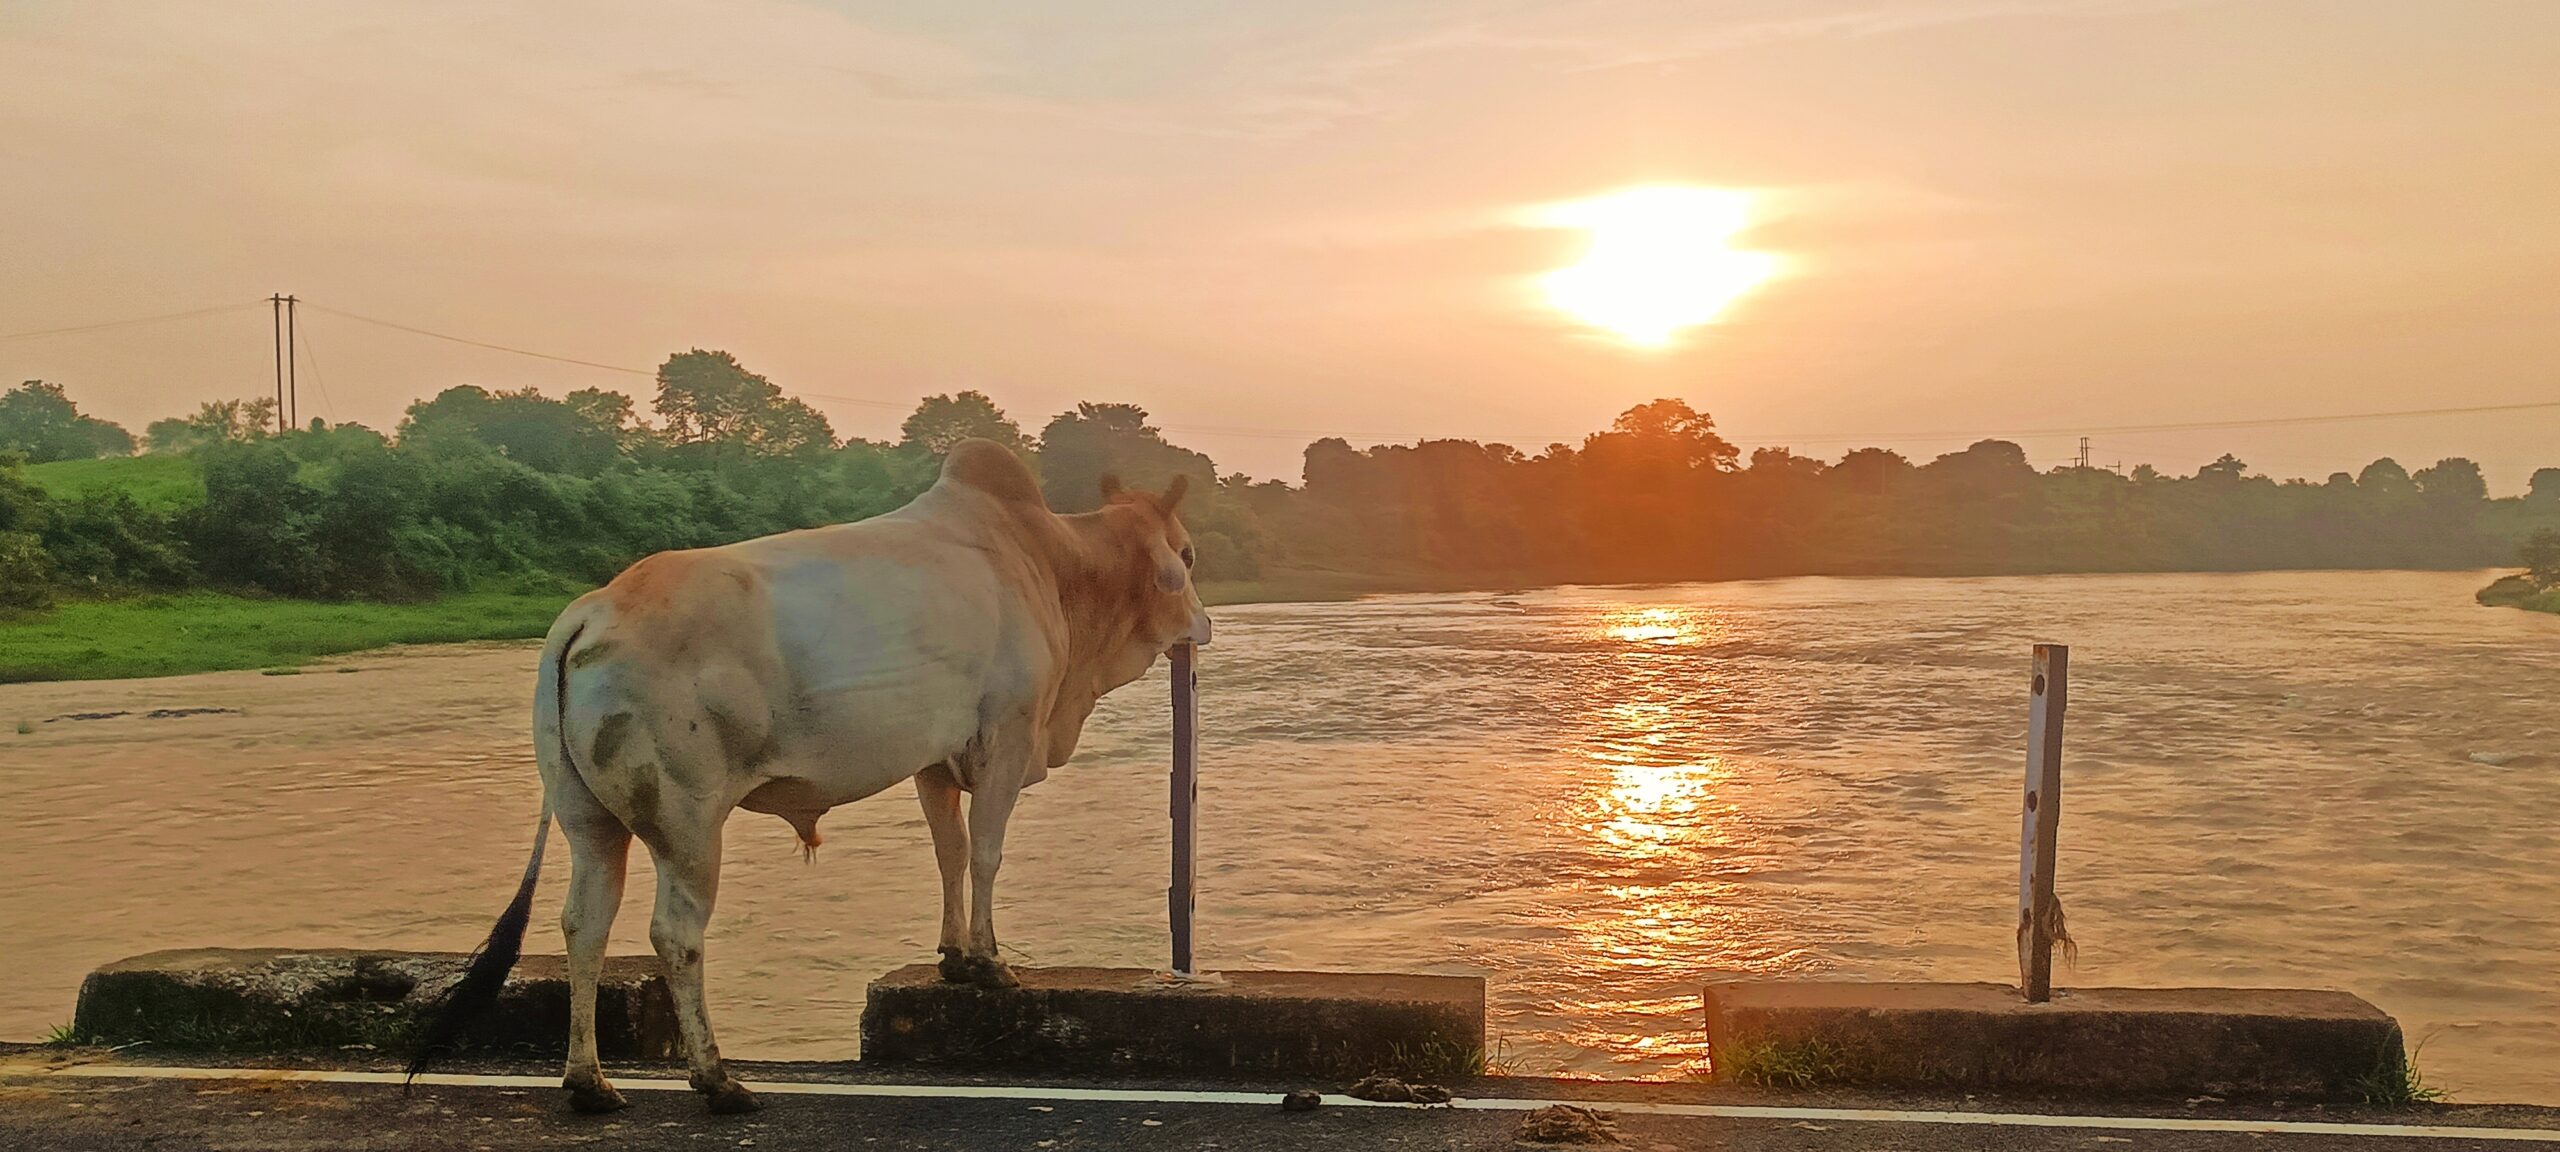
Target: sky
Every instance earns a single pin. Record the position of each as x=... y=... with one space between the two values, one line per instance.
x=1268 y=222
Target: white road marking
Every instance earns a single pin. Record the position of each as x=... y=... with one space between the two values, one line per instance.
x=1267 y=1099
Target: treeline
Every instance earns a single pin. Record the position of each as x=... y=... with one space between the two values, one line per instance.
x=1662 y=496
x=477 y=489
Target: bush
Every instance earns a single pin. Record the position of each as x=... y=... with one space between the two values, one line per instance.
x=26 y=576
x=107 y=539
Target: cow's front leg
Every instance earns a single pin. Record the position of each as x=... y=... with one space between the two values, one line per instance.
x=940 y=795
x=990 y=807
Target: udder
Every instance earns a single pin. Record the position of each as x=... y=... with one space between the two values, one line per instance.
x=797 y=801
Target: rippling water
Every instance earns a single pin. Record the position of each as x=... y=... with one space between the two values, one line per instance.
x=1596 y=797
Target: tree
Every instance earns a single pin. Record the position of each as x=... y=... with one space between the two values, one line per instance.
x=2545 y=484
x=2384 y=475
x=942 y=421
x=2227 y=470
x=2452 y=480
x=1871 y=471
x=709 y=398
x=1669 y=426
x=524 y=425
x=611 y=411
x=1079 y=448
x=39 y=422
x=217 y=422
x=2540 y=555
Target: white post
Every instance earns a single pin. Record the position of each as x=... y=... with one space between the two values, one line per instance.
x=1180 y=896
x=2039 y=826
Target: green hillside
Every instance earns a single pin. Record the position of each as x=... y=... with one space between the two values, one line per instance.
x=163 y=481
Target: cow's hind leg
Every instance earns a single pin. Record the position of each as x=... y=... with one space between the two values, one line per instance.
x=940 y=795
x=599 y=855
x=688 y=881
x=990 y=807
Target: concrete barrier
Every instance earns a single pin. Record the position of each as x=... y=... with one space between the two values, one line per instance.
x=2227 y=1042
x=279 y=999
x=1095 y=1020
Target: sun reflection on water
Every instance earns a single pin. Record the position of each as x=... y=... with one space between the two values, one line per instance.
x=1660 y=627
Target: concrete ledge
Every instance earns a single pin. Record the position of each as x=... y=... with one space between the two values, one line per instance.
x=2229 y=1042
x=1091 y=1020
x=275 y=999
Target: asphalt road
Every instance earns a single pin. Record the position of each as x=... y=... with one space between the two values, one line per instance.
x=43 y=1106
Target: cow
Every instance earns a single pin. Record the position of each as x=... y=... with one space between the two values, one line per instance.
x=960 y=641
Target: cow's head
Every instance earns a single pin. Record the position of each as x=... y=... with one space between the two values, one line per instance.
x=1140 y=604
x=1156 y=574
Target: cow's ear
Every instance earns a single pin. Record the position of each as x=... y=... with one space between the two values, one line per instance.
x=1110 y=486
x=1173 y=492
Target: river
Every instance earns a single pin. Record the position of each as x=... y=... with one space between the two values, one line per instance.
x=1595 y=797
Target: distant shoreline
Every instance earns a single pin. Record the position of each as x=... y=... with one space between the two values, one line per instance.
x=2518 y=592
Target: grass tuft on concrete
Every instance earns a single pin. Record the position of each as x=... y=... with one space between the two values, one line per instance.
x=1791 y=1065
x=2395 y=1082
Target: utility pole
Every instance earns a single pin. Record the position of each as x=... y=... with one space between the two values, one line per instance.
x=2084 y=453
x=288 y=362
x=293 y=377
x=275 y=312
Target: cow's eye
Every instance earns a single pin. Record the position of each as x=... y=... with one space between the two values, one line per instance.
x=1186 y=556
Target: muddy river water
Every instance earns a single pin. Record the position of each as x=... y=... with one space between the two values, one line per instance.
x=1595 y=797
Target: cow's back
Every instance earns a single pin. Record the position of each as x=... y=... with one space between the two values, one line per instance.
x=845 y=658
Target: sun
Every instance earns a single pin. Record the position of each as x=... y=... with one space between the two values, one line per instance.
x=1659 y=261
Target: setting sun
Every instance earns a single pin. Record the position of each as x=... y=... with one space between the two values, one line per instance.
x=1658 y=261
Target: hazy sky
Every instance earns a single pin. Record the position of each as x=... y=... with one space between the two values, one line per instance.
x=1265 y=221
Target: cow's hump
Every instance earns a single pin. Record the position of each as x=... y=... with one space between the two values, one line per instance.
x=986 y=466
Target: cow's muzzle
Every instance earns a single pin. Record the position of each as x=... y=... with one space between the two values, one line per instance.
x=1198 y=636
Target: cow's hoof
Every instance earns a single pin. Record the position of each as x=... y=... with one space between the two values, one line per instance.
x=732 y=1099
x=989 y=972
x=955 y=966
x=594 y=1096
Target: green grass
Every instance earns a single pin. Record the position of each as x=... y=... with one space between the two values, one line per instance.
x=211 y=632
x=163 y=481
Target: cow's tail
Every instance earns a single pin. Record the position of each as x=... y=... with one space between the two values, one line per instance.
x=473 y=995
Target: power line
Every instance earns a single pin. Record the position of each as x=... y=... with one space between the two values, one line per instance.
x=1764 y=440
x=103 y=325
x=481 y=343
x=314 y=354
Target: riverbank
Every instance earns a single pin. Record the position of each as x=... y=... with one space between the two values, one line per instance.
x=2518 y=592
x=213 y=632
x=173 y=635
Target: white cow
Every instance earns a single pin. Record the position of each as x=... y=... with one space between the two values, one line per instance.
x=960 y=640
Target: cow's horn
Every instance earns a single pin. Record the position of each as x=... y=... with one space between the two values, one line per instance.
x=1173 y=492
x=1110 y=485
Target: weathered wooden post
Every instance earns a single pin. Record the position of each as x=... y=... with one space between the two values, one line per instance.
x=1179 y=897
x=2039 y=827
